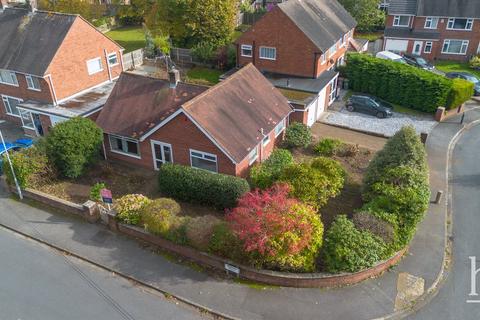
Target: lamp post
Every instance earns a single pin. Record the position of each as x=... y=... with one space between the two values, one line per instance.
x=11 y=167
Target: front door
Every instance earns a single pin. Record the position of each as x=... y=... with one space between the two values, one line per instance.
x=161 y=153
x=333 y=91
x=417 y=47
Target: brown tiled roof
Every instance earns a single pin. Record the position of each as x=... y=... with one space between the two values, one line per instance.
x=138 y=103
x=234 y=111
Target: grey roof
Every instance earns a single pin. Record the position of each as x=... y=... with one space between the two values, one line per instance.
x=411 y=34
x=449 y=8
x=403 y=7
x=324 y=22
x=302 y=84
x=29 y=41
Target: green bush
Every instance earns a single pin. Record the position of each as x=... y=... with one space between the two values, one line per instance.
x=224 y=243
x=129 y=208
x=327 y=147
x=73 y=145
x=95 y=191
x=264 y=175
x=204 y=52
x=398 y=83
x=199 y=230
x=462 y=90
x=475 y=62
x=26 y=163
x=158 y=215
x=347 y=249
x=200 y=186
x=298 y=135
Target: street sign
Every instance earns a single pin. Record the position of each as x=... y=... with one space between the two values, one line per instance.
x=232 y=269
x=106 y=196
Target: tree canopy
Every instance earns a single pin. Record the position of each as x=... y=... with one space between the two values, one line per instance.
x=366 y=12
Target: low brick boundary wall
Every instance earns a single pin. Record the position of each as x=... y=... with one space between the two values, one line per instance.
x=442 y=114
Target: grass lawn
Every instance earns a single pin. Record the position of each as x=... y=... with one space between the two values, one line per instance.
x=131 y=38
x=370 y=36
x=449 y=66
x=203 y=76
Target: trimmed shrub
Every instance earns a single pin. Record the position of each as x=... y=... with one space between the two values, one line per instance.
x=264 y=175
x=277 y=232
x=327 y=147
x=199 y=230
x=365 y=221
x=73 y=145
x=129 y=208
x=200 y=186
x=95 y=191
x=158 y=215
x=225 y=243
x=475 y=62
x=26 y=163
x=348 y=249
x=461 y=91
x=397 y=83
x=298 y=135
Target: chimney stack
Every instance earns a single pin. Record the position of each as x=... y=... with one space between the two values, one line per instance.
x=174 y=77
x=3 y=5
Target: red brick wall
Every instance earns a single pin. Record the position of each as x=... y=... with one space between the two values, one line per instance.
x=69 y=66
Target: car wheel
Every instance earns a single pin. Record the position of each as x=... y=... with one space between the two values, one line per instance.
x=350 y=108
x=381 y=115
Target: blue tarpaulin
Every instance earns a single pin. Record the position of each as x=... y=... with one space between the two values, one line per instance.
x=8 y=145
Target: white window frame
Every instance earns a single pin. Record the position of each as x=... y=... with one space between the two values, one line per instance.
x=427 y=44
x=323 y=58
x=23 y=114
x=266 y=140
x=203 y=156
x=280 y=127
x=110 y=55
x=12 y=76
x=396 y=21
x=7 y=106
x=54 y=120
x=465 y=43
x=246 y=47
x=332 y=50
x=431 y=23
x=268 y=48
x=253 y=155
x=97 y=71
x=468 y=25
x=31 y=83
x=161 y=144
x=124 y=145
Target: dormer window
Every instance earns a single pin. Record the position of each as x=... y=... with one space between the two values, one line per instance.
x=401 y=21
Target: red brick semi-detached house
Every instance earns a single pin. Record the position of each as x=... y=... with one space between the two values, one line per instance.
x=225 y=129
x=53 y=66
x=297 y=46
x=434 y=29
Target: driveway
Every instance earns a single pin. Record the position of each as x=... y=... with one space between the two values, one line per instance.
x=339 y=116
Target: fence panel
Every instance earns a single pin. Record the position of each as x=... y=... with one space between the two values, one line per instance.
x=181 y=56
x=133 y=59
x=251 y=18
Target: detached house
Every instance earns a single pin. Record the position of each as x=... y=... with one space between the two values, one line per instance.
x=297 y=46
x=435 y=29
x=53 y=66
x=226 y=128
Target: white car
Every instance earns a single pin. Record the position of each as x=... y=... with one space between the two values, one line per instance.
x=387 y=55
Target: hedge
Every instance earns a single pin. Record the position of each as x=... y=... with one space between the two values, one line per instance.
x=200 y=186
x=264 y=175
x=403 y=84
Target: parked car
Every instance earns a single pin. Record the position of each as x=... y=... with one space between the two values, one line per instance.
x=387 y=55
x=418 y=61
x=369 y=105
x=466 y=76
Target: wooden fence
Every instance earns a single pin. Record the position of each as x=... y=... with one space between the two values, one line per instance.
x=182 y=56
x=251 y=18
x=132 y=59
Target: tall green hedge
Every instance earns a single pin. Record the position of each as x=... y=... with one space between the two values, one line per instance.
x=403 y=84
x=200 y=186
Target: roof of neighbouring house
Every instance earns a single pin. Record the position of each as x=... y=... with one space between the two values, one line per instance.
x=408 y=7
x=29 y=41
x=414 y=34
x=324 y=22
x=436 y=8
x=303 y=84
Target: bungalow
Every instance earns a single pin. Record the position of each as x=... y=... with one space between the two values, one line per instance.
x=226 y=128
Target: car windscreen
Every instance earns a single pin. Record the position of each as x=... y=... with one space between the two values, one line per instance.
x=400 y=60
x=422 y=62
x=472 y=79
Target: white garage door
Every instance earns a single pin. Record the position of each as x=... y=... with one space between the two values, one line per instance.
x=396 y=45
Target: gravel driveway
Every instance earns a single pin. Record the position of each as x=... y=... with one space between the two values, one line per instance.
x=387 y=127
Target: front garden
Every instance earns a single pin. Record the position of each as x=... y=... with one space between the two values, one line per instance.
x=313 y=206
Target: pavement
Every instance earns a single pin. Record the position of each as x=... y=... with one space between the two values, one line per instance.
x=419 y=272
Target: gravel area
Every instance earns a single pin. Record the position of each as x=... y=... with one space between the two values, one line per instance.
x=387 y=127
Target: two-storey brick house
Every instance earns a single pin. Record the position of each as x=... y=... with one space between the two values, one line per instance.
x=297 y=46
x=53 y=66
x=435 y=29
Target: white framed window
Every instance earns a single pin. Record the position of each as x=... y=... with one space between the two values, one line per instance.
x=55 y=120
x=401 y=21
x=459 y=24
x=8 y=77
x=33 y=83
x=431 y=23
x=332 y=50
x=246 y=50
x=162 y=153
x=203 y=160
x=94 y=66
x=125 y=146
x=112 y=59
x=253 y=155
x=27 y=119
x=11 y=104
x=279 y=128
x=266 y=140
x=268 y=53
x=455 y=47
x=323 y=58
x=428 y=47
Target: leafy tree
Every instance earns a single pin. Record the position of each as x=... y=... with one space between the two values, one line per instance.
x=264 y=175
x=26 y=163
x=73 y=145
x=369 y=17
x=84 y=8
x=277 y=231
x=298 y=135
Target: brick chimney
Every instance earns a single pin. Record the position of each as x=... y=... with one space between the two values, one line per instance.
x=3 y=4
